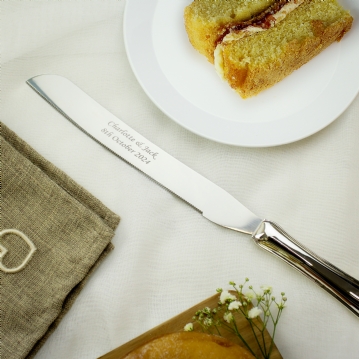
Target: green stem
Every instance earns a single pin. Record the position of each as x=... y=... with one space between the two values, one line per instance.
x=274 y=330
x=243 y=340
x=255 y=336
x=219 y=333
x=264 y=341
x=228 y=328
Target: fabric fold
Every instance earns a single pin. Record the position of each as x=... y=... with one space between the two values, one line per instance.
x=72 y=233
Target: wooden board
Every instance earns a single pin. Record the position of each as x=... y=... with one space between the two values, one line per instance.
x=177 y=324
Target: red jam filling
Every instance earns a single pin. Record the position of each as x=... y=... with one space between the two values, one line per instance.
x=263 y=20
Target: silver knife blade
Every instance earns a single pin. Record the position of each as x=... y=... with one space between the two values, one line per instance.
x=212 y=201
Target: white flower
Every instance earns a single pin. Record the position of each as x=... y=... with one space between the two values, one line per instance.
x=228 y=317
x=267 y=289
x=234 y=305
x=250 y=296
x=254 y=312
x=188 y=327
x=225 y=295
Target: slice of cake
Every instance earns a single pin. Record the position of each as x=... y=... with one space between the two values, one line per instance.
x=259 y=42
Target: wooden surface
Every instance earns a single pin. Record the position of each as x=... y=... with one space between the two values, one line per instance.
x=177 y=323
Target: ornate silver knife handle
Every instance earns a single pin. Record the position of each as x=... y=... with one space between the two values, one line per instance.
x=338 y=283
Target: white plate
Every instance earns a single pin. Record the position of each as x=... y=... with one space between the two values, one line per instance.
x=185 y=86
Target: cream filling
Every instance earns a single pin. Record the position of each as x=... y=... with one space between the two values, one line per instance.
x=248 y=31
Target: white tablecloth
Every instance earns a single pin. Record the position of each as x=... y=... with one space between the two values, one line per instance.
x=167 y=257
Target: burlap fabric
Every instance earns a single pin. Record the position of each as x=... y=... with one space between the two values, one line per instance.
x=71 y=230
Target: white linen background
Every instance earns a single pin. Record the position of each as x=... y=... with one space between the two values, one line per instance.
x=167 y=257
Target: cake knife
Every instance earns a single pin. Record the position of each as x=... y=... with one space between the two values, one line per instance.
x=213 y=202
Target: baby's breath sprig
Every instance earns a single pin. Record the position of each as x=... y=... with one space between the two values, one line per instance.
x=249 y=303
